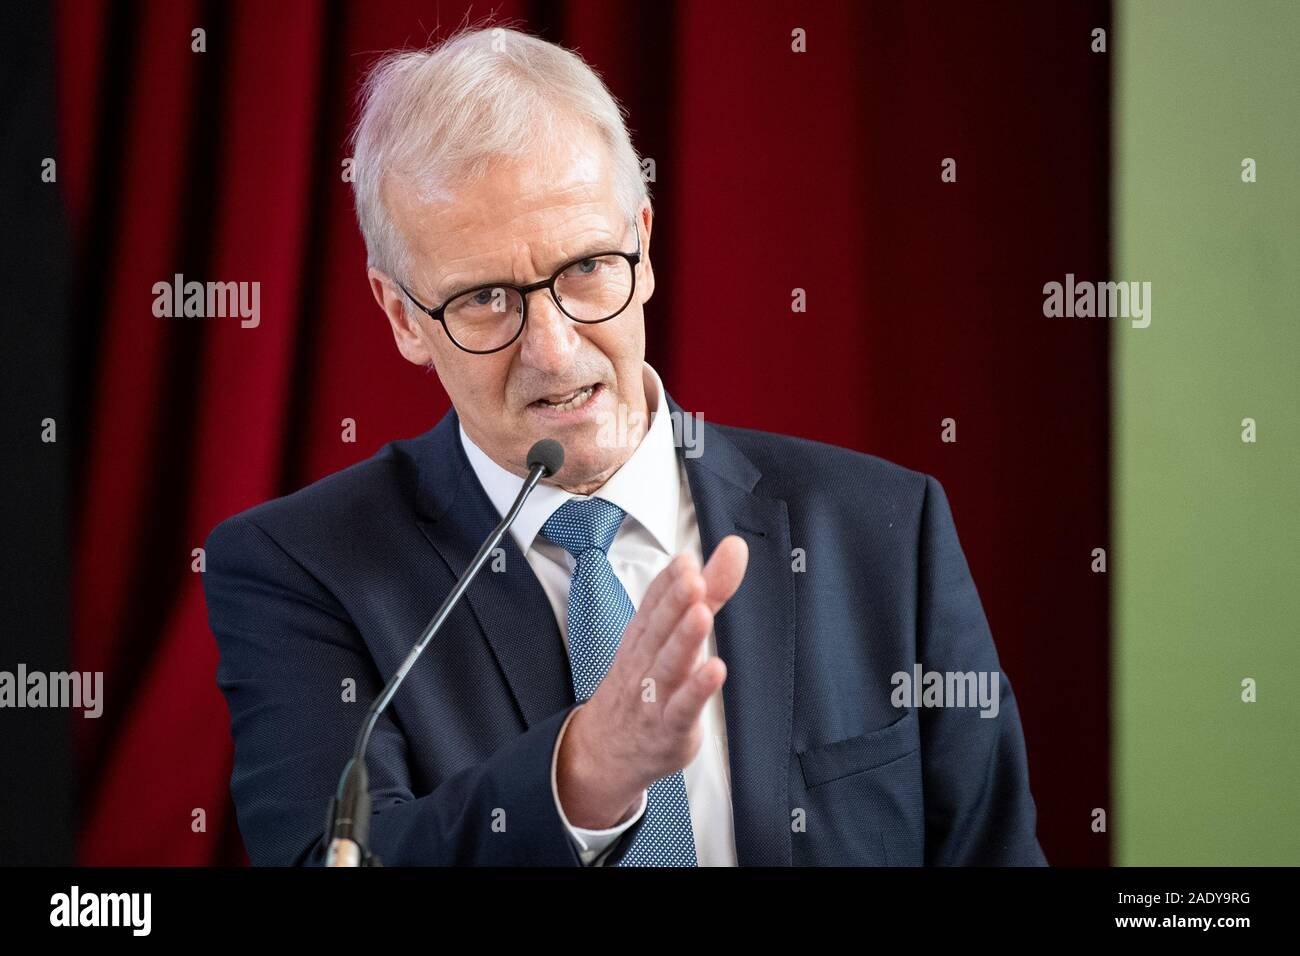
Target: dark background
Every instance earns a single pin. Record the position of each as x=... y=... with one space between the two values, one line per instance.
x=774 y=170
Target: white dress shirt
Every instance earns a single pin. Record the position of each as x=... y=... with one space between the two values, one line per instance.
x=651 y=487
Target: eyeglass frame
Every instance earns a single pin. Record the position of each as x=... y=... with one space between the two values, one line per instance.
x=524 y=291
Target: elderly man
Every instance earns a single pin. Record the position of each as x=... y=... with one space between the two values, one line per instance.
x=604 y=695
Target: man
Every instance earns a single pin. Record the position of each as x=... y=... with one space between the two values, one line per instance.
x=603 y=695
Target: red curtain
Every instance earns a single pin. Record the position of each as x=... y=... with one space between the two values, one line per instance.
x=775 y=170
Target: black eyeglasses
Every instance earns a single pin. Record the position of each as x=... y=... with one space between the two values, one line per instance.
x=488 y=318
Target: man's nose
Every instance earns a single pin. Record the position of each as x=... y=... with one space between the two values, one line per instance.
x=549 y=338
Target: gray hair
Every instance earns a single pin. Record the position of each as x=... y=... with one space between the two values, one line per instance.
x=440 y=115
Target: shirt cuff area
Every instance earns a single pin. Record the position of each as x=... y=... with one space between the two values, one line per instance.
x=590 y=843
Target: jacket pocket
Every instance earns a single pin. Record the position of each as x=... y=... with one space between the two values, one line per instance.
x=842 y=758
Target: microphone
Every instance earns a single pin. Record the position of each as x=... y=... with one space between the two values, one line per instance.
x=348 y=821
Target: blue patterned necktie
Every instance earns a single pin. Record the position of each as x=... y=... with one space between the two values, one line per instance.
x=599 y=610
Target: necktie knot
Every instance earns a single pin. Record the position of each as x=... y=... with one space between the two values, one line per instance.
x=581 y=524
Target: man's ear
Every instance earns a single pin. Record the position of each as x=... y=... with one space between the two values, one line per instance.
x=645 y=282
x=406 y=330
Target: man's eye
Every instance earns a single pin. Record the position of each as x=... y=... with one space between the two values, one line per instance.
x=587 y=266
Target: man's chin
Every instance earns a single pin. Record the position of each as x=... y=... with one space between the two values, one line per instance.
x=585 y=468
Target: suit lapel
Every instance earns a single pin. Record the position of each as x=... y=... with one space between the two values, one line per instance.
x=510 y=606
x=755 y=637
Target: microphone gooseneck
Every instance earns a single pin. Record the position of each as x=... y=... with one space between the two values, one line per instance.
x=348 y=823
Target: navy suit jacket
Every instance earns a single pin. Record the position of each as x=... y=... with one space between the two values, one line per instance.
x=327 y=589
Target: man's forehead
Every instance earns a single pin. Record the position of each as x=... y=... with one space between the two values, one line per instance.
x=540 y=206
x=454 y=241
x=477 y=221
x=571 y=170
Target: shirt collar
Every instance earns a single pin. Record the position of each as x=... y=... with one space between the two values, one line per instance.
x=647 y=486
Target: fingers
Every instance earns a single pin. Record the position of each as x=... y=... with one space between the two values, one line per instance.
x=665 y=579
x=682 y=649
x=683 y=708
x=664 y=642
x=671 y=595
x=720 y=577
x=725 y=569
x=674 y=590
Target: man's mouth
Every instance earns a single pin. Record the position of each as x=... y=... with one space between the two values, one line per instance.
x=568 y=401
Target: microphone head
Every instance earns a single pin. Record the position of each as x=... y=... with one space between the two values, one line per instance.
x=548 y=453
